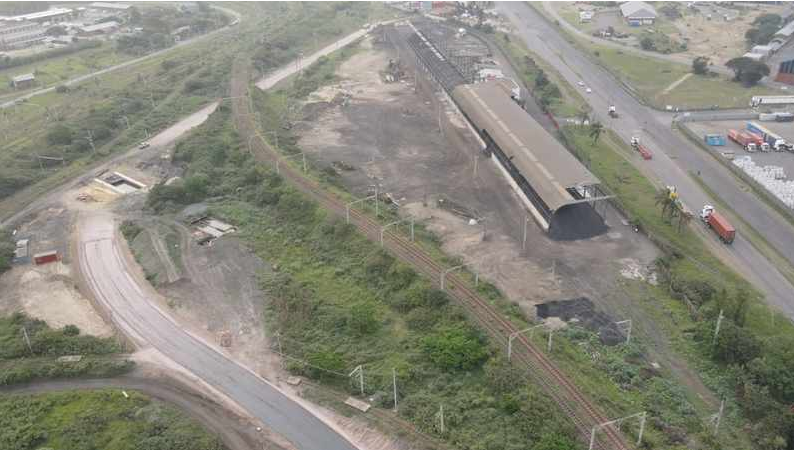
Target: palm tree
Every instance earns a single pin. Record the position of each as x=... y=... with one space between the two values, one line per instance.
x=663 y=199
x=683 y=219
x=595 y=131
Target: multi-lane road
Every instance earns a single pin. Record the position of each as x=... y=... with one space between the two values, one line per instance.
x=675 y=158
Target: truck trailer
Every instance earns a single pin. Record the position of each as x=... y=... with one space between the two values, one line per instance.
x=748 y=140
x=718 y=223
x=769 y=100
x=774 y=140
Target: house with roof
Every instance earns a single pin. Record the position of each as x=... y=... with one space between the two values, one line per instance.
x=23 y=81
x=638 y=13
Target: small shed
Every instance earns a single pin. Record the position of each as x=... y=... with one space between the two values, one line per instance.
x=586 y=16
x=45 y=257
x=23 y=81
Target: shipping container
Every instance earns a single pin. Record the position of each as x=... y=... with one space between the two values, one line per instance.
x=743 y=138
x=766 y=135
x=784 y=117
x=722 y=227
x=714 y=139
x=767 y=117
x=45 y=257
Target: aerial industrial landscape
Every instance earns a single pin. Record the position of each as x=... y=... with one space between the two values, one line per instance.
x=398 y=225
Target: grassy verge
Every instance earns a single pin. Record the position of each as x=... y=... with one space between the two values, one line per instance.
x=23 y=360
x=562 y=100
x=694 y=287
x=100 y=419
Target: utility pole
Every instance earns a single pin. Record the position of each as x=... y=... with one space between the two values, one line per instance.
x=360 y=371
x=718 y=417
x=717 y=328
x=551 y=333
x=514 y=335
x=394 y=385
x=440 y=417
x=91 y=141
x=524 y=238
x=628 y=332
x=27 y=339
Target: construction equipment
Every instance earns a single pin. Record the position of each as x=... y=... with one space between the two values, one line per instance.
x=718 y=223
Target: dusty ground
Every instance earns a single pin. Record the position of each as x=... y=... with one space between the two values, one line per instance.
x=389 y=134
x=711 y=36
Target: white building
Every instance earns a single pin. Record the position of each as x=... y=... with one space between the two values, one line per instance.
x=638 y=13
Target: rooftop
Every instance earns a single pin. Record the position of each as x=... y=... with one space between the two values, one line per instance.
x=41 y=14
x=23 y=77
x=108 y=5
x=786 y=31
x=542 y=160
x=639 y=10
x=100 y=26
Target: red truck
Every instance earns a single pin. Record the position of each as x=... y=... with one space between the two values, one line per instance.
x=641 y=149
x=744 y=137
x=719 y=224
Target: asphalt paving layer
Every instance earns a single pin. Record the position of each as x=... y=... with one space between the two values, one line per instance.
x=105 y=270
x=674 y=157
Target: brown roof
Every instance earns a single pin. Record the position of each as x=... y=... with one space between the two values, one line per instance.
x=541 y=159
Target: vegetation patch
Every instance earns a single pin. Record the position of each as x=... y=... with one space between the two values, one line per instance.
x=748 y=360
x=100 y=419
x=29 y=350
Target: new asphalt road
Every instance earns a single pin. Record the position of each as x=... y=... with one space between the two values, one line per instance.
x=674 y=158
x=106 y=272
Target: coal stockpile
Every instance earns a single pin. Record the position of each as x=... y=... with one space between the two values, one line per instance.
x=582 y=311
x=574 y=222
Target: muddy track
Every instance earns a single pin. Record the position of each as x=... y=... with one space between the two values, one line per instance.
x=235 y=433
x=581 y=411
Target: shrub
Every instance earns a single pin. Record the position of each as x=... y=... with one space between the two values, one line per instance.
x=455 y=347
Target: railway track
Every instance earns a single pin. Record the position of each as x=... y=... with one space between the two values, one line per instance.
x=581 y=411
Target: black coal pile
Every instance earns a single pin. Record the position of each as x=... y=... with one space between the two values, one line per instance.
x=583 y=311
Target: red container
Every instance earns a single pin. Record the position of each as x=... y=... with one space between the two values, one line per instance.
x=722 y=227
x=46 y=257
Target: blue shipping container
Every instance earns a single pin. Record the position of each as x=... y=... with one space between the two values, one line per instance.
x=765 y=134
x=714 y=139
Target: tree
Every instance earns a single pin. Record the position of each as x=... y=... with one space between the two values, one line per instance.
x=541 y=80
x=663 y=198
x=56 y=31
x=456 y=347
x=60 y=135
x=747 y=71
x=363 y=318
x=596 y=128
x=735 y=345
x=684 y=218
x=647 y=44
x=6 y=250
x=700 y=65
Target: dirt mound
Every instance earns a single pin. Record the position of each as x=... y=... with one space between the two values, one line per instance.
x=581 y=310
x=576 y=222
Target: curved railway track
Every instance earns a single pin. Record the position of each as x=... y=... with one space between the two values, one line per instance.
x=582 y=412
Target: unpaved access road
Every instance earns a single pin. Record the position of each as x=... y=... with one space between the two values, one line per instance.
x=233 y=432
x=107 y=273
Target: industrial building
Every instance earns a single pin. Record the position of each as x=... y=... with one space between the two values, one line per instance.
x=557 y=189
x=638 y=13
x=785 y=73
x=53 y=15
x=20 y=34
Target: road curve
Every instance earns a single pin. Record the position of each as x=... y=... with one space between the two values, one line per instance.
x=674 y=158
x=113 y=283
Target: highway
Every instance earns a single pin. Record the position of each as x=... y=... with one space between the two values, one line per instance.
x=674 y=158
x=116 y=286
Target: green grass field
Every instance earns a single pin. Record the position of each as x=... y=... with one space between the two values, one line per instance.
x=99 y=419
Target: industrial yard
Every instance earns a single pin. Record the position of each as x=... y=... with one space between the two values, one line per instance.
x=379 y=236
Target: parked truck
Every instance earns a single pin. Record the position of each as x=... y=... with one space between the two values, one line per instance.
x=718 y=223
x=613 y=112
x=748 y=141
x=775 y=141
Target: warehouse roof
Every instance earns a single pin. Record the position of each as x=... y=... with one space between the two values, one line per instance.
x=786 y=31
x=638 y=10
x=541 y=159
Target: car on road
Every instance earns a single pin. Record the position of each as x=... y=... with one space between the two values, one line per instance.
x=581 y=83
x=588 y=90
x=143 y=145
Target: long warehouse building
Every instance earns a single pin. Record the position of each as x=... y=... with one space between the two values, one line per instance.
x=560 y=191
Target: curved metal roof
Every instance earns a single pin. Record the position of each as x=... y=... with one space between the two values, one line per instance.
x=542 y=160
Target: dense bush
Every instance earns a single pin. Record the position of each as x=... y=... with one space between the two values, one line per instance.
x=7 y=62
x=6 y=250
x=97 y=420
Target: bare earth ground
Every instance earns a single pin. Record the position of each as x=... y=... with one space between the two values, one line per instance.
x=389 y=134
x=715 y=38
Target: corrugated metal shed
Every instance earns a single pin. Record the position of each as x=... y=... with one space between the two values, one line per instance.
x=548 y=166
